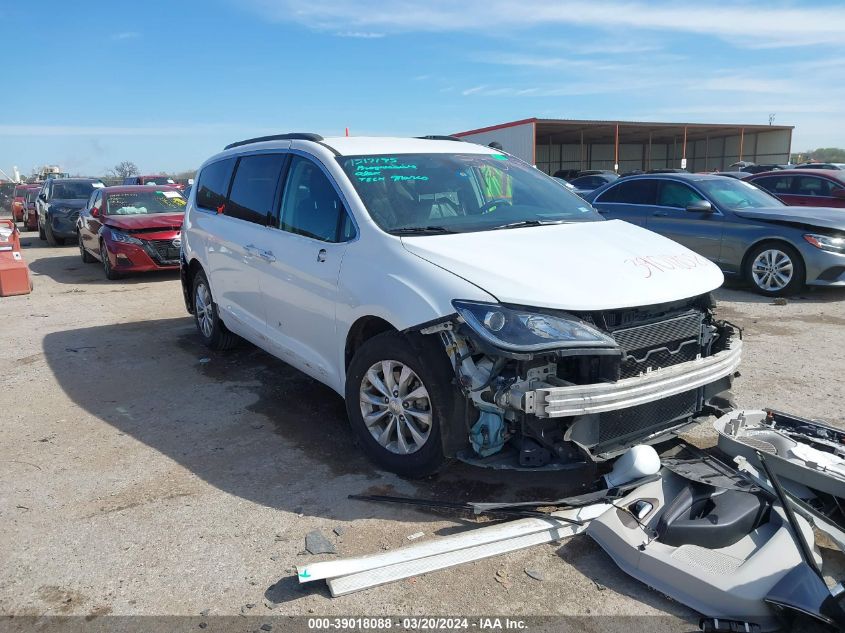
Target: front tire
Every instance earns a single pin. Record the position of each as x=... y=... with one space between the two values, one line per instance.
x=398 y=399
x=111 y=275
x=775 y=269
x=211 y=328
x=52 y=240
x=87 y=257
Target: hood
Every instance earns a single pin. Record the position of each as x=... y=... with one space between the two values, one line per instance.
x=583 y=266
x=827 y=217
x=68 y=203
x=140 y=222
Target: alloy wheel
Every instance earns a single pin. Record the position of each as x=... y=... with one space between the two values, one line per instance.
x=772 y=270
x=396 y=407
x=204 y=310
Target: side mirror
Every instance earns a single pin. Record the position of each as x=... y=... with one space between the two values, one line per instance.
x=838 y=193
x=42 y=196
x=700 y=206
x=95 y=212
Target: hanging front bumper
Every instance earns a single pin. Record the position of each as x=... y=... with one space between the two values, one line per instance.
x=573 y=400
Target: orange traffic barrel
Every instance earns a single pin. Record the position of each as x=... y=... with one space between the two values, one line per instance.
x=14 y=273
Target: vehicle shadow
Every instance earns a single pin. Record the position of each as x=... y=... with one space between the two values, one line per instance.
x=253 y=426
x=70 y=269
x=739 y=292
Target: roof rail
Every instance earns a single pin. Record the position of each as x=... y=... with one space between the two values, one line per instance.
x=292 y=136
x=441 y=137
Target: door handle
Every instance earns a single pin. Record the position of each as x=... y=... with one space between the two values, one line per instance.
x=267 y=256
x=660 y=214
x=321 y=255
x=252 y=249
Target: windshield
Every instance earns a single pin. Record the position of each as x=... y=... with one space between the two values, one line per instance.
x=460 y=193
x=31 y=195
x=144 y=202
x=737 y=194
x=72 y=190
x=156 y=180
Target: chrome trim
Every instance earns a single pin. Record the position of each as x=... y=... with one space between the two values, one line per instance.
x=555 y=402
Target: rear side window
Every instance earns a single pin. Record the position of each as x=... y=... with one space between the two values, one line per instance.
x=310 y=205
x=213 y=185
x=632 y=192
x=774 y=184
x=254 y=187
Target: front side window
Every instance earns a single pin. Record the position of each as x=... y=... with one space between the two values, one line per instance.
x=311 y=206
x=460 y=192
x=254 y=187
x=213 y=185
x=144 y=202
x=737 y=194
x=813 y=186
x=677 y=195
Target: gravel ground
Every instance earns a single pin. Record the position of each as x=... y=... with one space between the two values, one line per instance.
x=142 y=475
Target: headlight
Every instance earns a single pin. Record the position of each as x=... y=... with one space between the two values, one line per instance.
x=524 y=331
x=117 y=236
x=826 y=242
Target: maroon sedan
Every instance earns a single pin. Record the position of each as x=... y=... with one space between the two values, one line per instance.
x=804 y=187
x=132 y=229
x=19 y=201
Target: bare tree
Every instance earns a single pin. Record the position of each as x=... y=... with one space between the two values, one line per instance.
x=124 y=169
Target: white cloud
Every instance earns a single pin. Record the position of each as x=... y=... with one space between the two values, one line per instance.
x=366 y=35
x=746 y=24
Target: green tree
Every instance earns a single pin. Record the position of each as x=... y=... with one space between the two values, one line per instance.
x=820 y=155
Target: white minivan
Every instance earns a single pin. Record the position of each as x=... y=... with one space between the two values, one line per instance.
x=462 y=302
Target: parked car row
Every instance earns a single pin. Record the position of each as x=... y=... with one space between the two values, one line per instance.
x=127 y=228
x=461 y=301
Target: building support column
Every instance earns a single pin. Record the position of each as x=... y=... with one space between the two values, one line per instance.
x=616 y=152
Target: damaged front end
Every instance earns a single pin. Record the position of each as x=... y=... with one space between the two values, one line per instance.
x=559 y=388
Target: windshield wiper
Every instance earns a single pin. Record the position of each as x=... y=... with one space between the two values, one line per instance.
x=420 y=230
x=521 y=223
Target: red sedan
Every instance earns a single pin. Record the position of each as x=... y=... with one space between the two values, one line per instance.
x=132 y=229
x=804 y=187
x=19 y=201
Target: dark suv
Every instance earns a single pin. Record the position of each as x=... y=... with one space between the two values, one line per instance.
x=58 y=205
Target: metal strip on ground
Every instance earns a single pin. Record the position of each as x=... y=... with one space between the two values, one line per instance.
x=464 y=553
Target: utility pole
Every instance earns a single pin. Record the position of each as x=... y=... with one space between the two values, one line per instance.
x=771 y=118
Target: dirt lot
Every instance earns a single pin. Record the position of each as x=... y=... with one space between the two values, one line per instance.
x=140 y=474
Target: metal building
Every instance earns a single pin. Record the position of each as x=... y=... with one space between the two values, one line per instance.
x=555 y=144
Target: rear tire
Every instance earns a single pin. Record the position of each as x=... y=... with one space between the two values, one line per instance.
x=211 y=328
x=87 y=257
x=384 y=371
x=775 y=269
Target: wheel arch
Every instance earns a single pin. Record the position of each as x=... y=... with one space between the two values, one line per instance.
x=187 y=274
x=363 y=329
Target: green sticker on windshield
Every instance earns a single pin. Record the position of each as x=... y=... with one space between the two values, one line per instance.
x=500 y=157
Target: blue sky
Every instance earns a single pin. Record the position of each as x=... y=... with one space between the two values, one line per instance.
x=167 y=84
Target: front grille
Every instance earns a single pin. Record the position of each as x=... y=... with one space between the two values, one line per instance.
x=616 y=427
x=660 y=344
x=163 y=251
